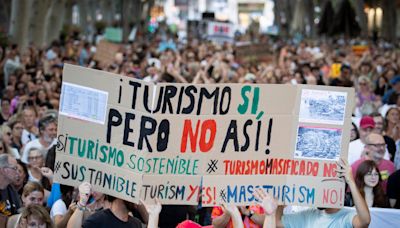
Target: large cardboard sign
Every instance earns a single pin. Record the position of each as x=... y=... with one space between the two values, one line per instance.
x=184 y=142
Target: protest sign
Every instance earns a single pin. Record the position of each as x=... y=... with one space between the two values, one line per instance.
x=176 y=142
x=359 y=49
x=105 y=52
x=113 y=34
x=220 y=32
x=254 y=53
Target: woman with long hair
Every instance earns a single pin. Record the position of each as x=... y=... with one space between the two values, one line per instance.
x=392 y=123
x=368 y=181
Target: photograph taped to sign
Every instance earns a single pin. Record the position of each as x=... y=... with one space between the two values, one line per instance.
x=318 y=143
x=83 y=103
x=322 y=106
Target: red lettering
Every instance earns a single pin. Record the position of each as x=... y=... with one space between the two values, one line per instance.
x=329 y=170
x=207 y=126
x=192 y=191
x=188 y=131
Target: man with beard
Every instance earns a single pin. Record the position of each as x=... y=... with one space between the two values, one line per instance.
x=375 y=149
x=118 y=215
x=47 y=138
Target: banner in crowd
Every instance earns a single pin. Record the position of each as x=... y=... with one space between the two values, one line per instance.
x=251 y=53
x=105 y=52
x=217 y=142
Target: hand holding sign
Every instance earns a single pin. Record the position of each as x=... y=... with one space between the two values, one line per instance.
x=344 y=170
x=266 y=201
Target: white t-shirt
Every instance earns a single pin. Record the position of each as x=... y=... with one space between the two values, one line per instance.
x=58 y=208
x=27 y=136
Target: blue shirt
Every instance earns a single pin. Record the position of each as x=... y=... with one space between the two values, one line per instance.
x=319 y=218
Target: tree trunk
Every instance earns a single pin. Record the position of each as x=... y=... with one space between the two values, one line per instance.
x=362 y=18
x=39 y=23
x=127 y=14
x=309 y=8
x=5 y=15
x=389 y=20
x=298 y=23
x=83 y=21
x=56 y=20
x=19 y=26
x=107 y=8
x=68 y=12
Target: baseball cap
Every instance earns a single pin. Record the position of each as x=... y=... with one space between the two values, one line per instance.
x=367 y=122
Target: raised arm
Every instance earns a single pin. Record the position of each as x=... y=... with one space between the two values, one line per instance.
x=363 y=218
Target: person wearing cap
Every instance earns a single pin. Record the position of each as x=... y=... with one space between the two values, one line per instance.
x=375 y=149
x=395 y=82
x=356 y=147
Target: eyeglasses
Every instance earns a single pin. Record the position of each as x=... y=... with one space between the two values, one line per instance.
x=372 y=174
x=15 y=168
x=8 y=133
x=382 y=145
x=32 y=158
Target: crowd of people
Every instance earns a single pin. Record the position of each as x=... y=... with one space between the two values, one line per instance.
x=31 y=87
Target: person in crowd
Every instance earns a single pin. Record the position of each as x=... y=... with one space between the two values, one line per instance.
x=20 y=182
x=16 y=133
x=9 y=198
x=30 y=130
x=36 y=169
x=89 y=203
x=319 y=217
x=118 y=215
x=378 y=129
x=366 y=101
x=252 y=216
x=374 y=151
x=5 y=135
x=35 y=216
x=395 y=83
x=345 y=77
x=369 y=183
x=62 y=209
x=47 y=138
x=393 y=192
x=392 y=123
x=33 y=193
x=5 y=113
x=357 y=147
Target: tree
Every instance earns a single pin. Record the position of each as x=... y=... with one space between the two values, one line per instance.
x=362 y=18
x=389 y=20
x=39 y=22
x=19 y=23
x=56 y=20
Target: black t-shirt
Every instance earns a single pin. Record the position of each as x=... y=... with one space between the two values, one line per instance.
x=106 y=219
x=172 y=215
x=391 y=146
x=9 y=201
x=393 y=188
